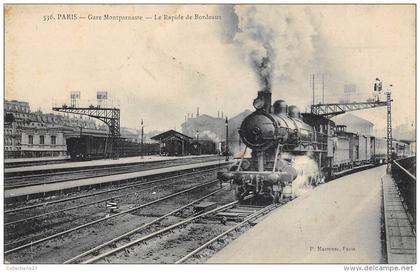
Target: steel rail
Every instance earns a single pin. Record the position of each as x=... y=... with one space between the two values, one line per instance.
x=88 y=204
x=246 y=220
x=151 y=235
x=9 y=187
x=111 y=166
x=132 y=185
x=72 y=260
x=32 y=243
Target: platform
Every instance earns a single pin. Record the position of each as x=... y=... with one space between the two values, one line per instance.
x=337 y=222
x=96 y=163
x=26 y=160
x=59 y=186
x=400 y=238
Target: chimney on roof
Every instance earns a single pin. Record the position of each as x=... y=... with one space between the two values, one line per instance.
x=198 y=111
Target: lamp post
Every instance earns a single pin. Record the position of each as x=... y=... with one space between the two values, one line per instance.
x=227 y=143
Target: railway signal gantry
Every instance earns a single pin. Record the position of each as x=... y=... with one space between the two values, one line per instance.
x=333 y=109
x=110 y=116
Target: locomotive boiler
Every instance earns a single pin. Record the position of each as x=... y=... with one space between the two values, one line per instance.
x=275 y=134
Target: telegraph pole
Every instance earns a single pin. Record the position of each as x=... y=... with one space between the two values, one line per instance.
x=323 y=83
x=141 y=141
x=313 y=89
x=227 y=143
x=388 y=132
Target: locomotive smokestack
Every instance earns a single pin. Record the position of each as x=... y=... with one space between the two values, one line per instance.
x=265 y=96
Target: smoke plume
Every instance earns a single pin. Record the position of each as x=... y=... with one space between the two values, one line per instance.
x=257 y=42
x=306 y=168
x=281 y=46
x=207 y=134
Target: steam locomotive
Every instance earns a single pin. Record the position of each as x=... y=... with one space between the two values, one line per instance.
x=288 y=145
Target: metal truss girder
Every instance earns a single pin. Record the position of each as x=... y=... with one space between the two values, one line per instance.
x=110 y=116
x=330 y=110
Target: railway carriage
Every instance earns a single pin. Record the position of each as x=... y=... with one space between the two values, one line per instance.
x=400 y=149
x=362 y=150
x=368 y=150
x=88 y=147
x=203 y=147
x=343 y=150
x=378 y=149
x=395 y=150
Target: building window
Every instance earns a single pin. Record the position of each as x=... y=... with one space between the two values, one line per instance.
x=31 y=139
x=53 y=140
x=41 y=139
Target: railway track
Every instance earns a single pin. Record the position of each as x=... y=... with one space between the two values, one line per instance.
x=63 y=176
x=139 y=236
x=96 y=202
x=154 y=234
x=218 y=238
x=24 y=244
x=129 y=240
x=89 y=254
x=81 y=195
x=126 y=240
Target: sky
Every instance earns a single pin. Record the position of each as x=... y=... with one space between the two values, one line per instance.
x=161 y=70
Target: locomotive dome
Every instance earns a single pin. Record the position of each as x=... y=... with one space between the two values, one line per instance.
x=280 y=107
x=294 y=112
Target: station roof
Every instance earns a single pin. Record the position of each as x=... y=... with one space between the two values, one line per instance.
x=170 y=134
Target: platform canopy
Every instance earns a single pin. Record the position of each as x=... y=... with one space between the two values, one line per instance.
x=170 y=135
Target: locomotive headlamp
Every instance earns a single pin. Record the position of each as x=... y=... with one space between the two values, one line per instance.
x=258 y=103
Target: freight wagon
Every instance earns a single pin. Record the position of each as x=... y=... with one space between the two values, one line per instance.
x=202 y=147
x=91 y=147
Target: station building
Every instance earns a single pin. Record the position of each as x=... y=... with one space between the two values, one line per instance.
x=173 y=143
x=30 y=134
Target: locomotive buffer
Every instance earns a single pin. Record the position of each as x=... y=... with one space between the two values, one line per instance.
x=110 y=116
x=334 y=109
